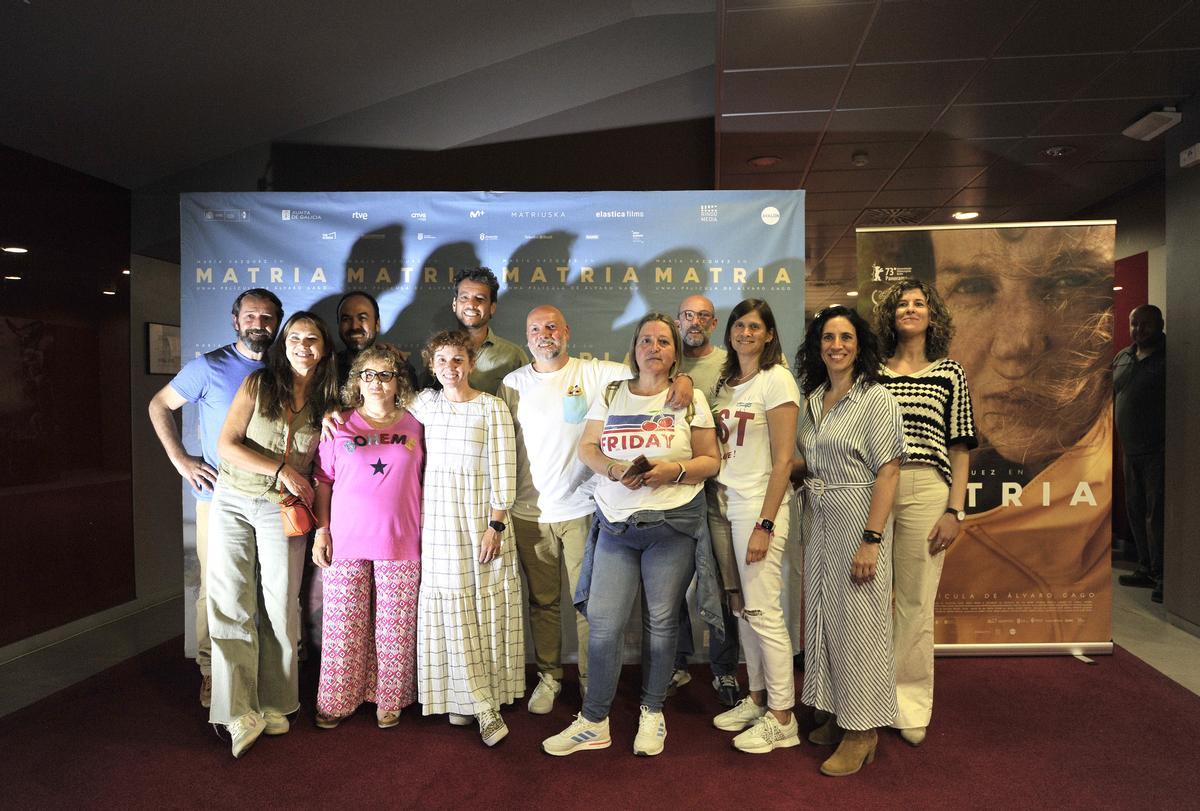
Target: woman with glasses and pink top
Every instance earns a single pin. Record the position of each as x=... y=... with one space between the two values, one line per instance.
x=368 y=541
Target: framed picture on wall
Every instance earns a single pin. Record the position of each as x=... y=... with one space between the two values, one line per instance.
x=162 y=348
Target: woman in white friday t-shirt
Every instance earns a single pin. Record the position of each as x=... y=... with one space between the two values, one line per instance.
x=648 y=523
x=756 y=406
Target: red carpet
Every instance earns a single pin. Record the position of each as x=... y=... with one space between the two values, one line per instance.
x=1033 y=732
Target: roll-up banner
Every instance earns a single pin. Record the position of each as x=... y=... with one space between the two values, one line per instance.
x=1032 y=312
x=604 y=258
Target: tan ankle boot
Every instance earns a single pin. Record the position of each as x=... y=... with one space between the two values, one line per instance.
x=828 y=734
x=855 y=750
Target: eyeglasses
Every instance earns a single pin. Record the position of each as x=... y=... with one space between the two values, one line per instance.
x=367 y=375
x=700 y=316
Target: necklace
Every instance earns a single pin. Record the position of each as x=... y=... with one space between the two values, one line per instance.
x=740 y=379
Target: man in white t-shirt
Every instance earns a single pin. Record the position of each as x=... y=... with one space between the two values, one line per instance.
x=549 y=400
x=703 y=361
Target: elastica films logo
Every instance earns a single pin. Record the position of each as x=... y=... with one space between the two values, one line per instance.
x=627 y=213
x=770 y=215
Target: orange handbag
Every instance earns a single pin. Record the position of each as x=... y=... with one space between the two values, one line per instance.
x=298 y=519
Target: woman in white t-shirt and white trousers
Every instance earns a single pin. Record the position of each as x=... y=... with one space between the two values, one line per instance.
x=648 y=525
x=756 y=407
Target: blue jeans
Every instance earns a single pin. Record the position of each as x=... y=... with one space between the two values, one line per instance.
x=662 y=560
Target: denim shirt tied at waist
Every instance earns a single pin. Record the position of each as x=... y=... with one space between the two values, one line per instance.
x=692 y=520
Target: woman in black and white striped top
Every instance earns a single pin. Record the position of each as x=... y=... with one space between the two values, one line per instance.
x=914 y=329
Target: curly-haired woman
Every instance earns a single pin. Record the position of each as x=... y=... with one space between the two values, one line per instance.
x=470 y=639
x=851 y=441
x=368 y=541
x=915 y=329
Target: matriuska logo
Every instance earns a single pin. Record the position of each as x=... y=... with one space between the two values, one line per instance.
x=636 y=431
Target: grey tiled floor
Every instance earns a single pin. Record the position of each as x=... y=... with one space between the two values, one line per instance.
x=1141 y=627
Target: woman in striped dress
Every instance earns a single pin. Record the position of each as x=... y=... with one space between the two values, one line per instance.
x=470 y=636
x=915 y=329
x=851 y=444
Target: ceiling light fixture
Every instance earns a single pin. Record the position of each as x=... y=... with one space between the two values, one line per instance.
x=14 y=249
x=852 y=293
x=1153 y=124
x=13 y=278
x=1057 y=152
x=860 y=159
x=125 y=271
x=109 y=291
x=1118 y=287
x=965 y=215
x=763 y=161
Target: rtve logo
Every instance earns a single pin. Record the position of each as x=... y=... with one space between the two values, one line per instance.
x=359 y=215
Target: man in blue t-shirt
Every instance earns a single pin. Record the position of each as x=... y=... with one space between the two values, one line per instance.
x=210 y=381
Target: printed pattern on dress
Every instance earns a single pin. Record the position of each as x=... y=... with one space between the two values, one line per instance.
x=849 y=665
x=470 y=642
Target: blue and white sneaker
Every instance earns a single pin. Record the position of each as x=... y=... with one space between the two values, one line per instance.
x=581 y=735
x=652 y=732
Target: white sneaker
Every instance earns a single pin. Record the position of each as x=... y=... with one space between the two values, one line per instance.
x=275 y=723
x=459 y=720
x=744 y=714
x=244 y=731
x=582 y=734
x=492 y=728
x=679 y=678
x=541 y=701
x=767 y=735
x=652 y=731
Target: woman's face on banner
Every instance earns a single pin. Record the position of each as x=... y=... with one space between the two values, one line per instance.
x=1033 y=313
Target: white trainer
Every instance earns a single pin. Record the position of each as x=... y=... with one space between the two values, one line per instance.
x=581 y=735
x=679 y=678
x=275 y=723
x=460 y=720
x=652 y=732
x=768 y=735
x=744 y=714
x=244 y=731
x=541 y=701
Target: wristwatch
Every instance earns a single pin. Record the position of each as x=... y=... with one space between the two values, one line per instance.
x=767 y=524
x=496 y=525
x=959 y=514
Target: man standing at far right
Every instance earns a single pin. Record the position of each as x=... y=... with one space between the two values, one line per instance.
x=1140 y=393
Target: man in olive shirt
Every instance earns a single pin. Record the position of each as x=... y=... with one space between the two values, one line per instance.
x=1140 y=393
x=474 y=304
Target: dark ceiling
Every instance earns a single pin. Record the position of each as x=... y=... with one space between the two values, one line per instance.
x=950 y=105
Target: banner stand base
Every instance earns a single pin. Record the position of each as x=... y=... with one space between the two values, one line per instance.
x=1027 y=649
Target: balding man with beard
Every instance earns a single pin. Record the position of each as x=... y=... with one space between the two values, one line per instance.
x=549 y=400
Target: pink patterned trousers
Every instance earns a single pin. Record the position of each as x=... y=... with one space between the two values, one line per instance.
x=365 y=658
